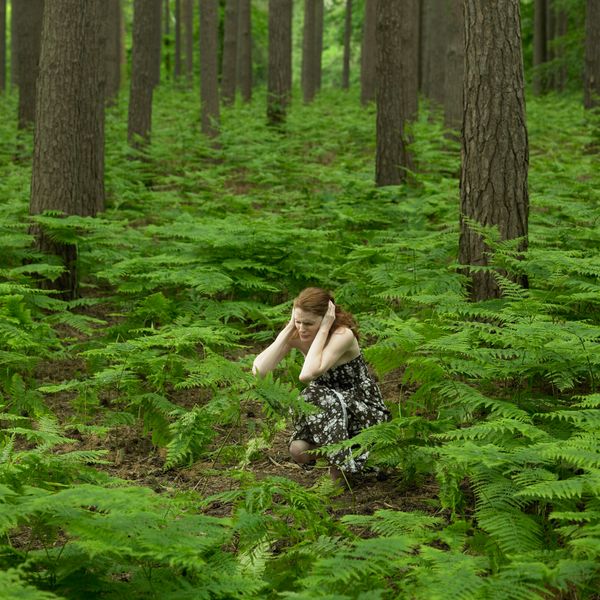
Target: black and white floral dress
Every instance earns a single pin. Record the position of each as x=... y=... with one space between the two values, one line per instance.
x=350 y=401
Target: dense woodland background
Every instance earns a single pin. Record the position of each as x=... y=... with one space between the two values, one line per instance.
x=173 y=172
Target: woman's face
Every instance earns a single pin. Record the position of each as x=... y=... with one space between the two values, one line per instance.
x=307 y=324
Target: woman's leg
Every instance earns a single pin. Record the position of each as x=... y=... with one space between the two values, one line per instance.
x=298 y=450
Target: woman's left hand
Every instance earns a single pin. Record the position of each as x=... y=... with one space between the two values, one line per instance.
x=329 y=317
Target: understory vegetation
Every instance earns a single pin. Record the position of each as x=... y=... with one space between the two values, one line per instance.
x=191 y=271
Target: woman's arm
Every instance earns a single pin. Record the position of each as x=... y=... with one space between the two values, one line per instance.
x=323 y=354
x=271 y=356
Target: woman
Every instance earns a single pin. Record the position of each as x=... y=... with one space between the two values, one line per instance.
x=339 y=383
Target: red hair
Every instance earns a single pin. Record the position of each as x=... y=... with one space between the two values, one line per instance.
x=316 y=300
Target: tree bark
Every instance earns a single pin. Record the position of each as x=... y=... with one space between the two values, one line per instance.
x=166 y=38
x=319 y=46
x=368 y=57
x=209 y=67
x=28 y=32
x=229 y=66
x=562 y=24
x=309 y=51
x=550 y=34
x=279 y=86
x=14 y=80
x=592 y=55
x=188 y=16
x=2 y=46
x=156 y=38
x=244 y=66
x=539 y=46
x=347 y=44
x=177 y=67
x=143 y=72
x=495 y=151
x=409 y=57
x=455 y=68
x=68 y=159
x=114 y=49
x=433 y=50
x=393 y=157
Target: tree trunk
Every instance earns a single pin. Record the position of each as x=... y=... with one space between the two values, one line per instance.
x=455 y=67
x=114 y=49
x=409 y=56
x=244 y=66
x=143 y=71
x=562 y=23
x=209 y=67
x=28 y=31
x=2 y=46
x=155 y=38
x=550 y=33
x=14 y=80
x=347 y=40
x=539 y=46
x=279 y=86
x=309 y=51
x=177 y=68
x=188 y=16
x=433 y=47
x=393 y=157
x=495 y=152
x=166 y=39
x=230 y=37
x=592 y=55
x=320 y=15
x=368 y=57
x=68 y=159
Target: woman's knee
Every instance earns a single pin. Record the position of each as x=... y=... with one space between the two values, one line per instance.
x=298 y=450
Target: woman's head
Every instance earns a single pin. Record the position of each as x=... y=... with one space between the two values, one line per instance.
x=312 y=303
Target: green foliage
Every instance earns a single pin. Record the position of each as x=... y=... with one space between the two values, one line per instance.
x=190 y=272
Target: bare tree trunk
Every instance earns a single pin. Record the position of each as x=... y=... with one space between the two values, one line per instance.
x=433 y=45
x=550 y=33
x=114 y=50
x=177 y=67
x=68 y=160
x=279 y=86
x=309 y=51
x=2 y=46
x=229 y=67
x=455 y=68
x=368 y=57
x=560 y=77
x=209 y=67
x=319 y=45
x=143 y=71
x=166 y=38
x=347 y=40
x=409 y=56
x=592 y=55
x=244 y=66
x=539 y=46
x=28 y=32
x=494 y=143
x=14 y=79
x=188 y=10
x=156 y=39
x=393 y=157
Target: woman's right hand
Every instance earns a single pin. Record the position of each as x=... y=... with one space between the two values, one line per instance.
x=290 y=329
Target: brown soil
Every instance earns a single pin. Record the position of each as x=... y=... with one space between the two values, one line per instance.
x=133 y=458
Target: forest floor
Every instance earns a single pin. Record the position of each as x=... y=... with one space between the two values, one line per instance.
x=132 y=457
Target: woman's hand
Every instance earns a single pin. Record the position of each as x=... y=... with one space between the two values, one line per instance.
x=289 y=330
x=329 y=318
